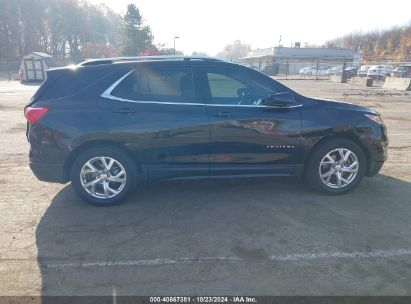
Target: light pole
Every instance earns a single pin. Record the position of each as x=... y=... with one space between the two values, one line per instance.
x=229 y=54
x=176 y=37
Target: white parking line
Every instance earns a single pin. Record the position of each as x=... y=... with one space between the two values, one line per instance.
x=234 y=259
x=154 y=262
x=342 y=255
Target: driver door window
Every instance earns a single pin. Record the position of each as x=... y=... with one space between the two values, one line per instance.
x=230 y=87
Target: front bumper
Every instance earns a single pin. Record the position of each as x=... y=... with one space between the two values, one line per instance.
x=378 y=154
x=52 y=173
x=374 y=167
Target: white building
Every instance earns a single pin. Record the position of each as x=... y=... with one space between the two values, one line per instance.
x=289 y=60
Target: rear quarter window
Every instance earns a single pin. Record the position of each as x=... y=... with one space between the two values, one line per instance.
x=72 y=82
x=160 y=84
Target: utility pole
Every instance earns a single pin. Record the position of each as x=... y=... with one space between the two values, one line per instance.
x=229 y=54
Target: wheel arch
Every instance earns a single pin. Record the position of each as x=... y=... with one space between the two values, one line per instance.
x=93 y=144
x=343 y=135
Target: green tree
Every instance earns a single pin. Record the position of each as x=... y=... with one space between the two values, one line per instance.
x=136 y=36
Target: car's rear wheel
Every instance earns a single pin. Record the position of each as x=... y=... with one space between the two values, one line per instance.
x=103 y=176
x=336 y=166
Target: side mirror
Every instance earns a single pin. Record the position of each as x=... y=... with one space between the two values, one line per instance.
x=285 y=99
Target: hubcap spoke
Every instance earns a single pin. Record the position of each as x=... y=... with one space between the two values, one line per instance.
x=344 y=180
x=111 y=189
x=103 y=161
x=93 y=189
x=329 y=177
x=354 y=164
x=120 y=173
x=341 y=152
x=339 y=179
x=347 y=155
x=116 y=179
x=106 y=191
x=328 y=160
x=88 y=168
x=92 y=183
x=327 y=174
x=110 y=164
x=349 y=170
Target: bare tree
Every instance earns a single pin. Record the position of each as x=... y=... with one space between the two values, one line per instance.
x=234 y=51
x=392 y=43
x=67 y=29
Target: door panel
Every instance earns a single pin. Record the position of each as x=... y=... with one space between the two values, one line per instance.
x=261 y=139
x=170 y=137
x=246 y=137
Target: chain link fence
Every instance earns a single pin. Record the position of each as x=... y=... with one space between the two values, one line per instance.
x=324 y=68
x=284 y=68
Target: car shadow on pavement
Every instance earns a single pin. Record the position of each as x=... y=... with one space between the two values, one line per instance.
x=154 y=242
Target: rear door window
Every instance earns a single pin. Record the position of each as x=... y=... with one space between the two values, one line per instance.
x=159 y=84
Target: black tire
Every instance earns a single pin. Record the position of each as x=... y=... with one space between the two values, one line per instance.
x=122 y=160
x=312 y=169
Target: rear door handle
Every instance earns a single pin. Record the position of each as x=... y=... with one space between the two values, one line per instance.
x=124 y=111
x=222 y=114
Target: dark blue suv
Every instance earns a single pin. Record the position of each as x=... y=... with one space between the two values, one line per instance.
x=110 y=125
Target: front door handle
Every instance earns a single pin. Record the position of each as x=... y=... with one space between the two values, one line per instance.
x=124 y=111
x=222 y=114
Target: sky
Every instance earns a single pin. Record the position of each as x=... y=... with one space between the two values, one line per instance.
x=208 y=26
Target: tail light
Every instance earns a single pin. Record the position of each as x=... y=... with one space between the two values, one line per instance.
x=33 y=115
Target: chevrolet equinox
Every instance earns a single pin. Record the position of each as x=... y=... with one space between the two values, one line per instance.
x=109 y=125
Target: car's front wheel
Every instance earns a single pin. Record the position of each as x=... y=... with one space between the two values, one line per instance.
x=103 y=176
x=336 y=166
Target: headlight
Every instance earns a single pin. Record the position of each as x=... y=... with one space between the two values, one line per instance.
x=374 y=118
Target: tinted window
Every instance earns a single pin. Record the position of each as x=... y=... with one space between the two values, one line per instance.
x=230 y=86
x=69 y=82
x=164 y=84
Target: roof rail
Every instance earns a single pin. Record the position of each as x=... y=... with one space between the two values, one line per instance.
x=99 y=61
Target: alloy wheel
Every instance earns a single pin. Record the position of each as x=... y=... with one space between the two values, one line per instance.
x=103 y=177
x=338 y=168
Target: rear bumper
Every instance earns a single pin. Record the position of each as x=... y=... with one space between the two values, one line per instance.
x=52 y=173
